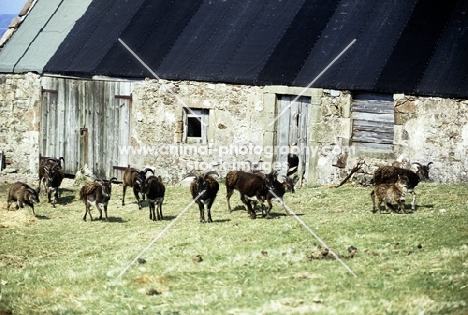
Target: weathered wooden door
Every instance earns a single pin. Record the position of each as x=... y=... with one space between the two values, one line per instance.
x=292 y=130
x=86 y=122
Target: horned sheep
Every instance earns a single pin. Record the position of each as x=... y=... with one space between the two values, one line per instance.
x=204 y=189
x=389 y=175
x=136 y=179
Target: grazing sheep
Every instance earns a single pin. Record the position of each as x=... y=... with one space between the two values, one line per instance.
x=136 y=179
x=207 y=183
x=154 y=190
x=22 y=194
x=391 y=193
x=389 y=175
x=97 y=194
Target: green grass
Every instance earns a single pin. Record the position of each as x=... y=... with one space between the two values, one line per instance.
x=405 y=264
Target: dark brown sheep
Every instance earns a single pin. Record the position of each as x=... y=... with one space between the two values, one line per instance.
x=251 y=186
x=136 y=179
x=53 y=177
x=204 y=188
x=278 y=191
x=22 y=194
x=154 y=191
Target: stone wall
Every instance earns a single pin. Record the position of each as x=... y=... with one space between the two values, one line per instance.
x=20 y=101
x=235 y=124
x=426 y=129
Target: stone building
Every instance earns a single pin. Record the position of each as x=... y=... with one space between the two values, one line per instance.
x=186 y=85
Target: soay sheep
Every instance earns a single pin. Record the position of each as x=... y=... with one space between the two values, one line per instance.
x=137 y=180
x=97 y=194
x=22 y=194
x=45 y=160
x=154 y=191
x=251 y=186
x=391 y=193
x=207 y=183
x=389 y=175
x=53 y=177
x=277 y=193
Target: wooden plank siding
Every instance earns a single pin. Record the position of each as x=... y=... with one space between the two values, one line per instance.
x=373 y=121
x=293 y=127
x=86 y=121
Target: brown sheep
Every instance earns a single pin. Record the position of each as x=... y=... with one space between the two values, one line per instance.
x=389 y=193
x=154 y=191
x=389 y=175
x=22 y=194
x=251 y=186
x=204 y=188
x=136 y=179
x=98 y=194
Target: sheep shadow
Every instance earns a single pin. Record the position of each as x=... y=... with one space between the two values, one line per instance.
x=277 y=215
x=42 y=217
x=115 y=220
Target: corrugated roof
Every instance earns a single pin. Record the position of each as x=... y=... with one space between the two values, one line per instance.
x=402 y=46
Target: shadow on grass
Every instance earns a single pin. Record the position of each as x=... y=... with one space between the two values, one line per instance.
x=114 y=220
x=277 y=215
x=42 y=217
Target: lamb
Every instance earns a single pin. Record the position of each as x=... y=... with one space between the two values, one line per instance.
x=154 y=191
x=250 y=186
x=136 y=179
x=389 y=175
x=278 y=191
x=53 y=177
x=98 y=194
x=22 y=194
x=391 y=193
x=207 y=183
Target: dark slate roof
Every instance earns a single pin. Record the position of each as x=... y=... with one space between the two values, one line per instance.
x=401 y=46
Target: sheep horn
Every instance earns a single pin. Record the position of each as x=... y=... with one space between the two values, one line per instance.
x=418 y=164
x=149 y=170
x=190 y=174
x=210 y=173
x=429 y=164
x=112 y=179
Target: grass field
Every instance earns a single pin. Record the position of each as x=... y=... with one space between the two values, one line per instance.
x=404 y=264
